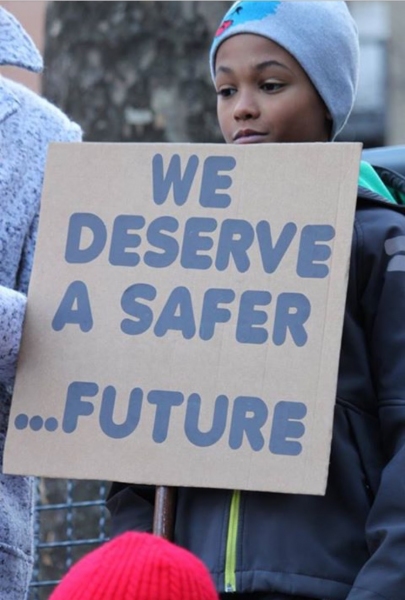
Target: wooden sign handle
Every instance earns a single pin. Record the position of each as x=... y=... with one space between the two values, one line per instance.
x=163 y=518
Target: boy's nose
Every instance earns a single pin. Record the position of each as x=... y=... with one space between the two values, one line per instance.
x=246 y=107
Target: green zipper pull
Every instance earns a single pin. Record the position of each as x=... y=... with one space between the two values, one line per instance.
x=232 y=537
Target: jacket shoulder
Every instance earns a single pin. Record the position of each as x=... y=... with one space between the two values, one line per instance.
x=34 y=115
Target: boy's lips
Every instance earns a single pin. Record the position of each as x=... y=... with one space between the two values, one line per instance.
x=248 y=136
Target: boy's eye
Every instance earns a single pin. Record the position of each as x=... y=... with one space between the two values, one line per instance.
x=226 y=92
x=272 y=86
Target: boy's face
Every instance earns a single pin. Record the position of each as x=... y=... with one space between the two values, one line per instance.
x=264 y=96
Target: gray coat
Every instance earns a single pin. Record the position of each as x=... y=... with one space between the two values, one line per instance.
x=27 y=124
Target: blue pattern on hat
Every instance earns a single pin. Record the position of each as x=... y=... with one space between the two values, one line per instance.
x=242 y=12
x=251 y=11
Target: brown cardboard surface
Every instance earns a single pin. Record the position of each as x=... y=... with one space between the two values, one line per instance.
x=186 y=334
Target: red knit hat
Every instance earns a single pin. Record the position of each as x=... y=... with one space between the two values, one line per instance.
x=137 y=566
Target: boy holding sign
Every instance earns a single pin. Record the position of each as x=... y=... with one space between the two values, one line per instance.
x=287 y=72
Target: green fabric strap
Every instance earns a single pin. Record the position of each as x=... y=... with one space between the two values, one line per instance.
x=369 y=179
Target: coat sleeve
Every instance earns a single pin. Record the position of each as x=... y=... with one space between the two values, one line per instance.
x=13 y=301
x=382 y=298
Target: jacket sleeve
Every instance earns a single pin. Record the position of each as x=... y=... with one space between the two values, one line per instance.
x=382 y=298
x=13 y=301
x=12 y=310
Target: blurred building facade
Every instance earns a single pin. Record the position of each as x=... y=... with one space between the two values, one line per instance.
x=379 y=114
x=378 y=117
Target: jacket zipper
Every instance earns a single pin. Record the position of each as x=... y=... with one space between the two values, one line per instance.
x=230 y=558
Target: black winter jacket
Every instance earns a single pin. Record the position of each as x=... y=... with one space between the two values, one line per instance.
x=349 y=544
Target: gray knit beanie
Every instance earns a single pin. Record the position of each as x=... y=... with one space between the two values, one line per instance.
x=322 y=37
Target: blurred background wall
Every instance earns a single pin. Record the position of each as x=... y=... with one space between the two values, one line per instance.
x=378 y=117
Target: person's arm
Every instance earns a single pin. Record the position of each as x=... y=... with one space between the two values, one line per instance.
x=13 y=301
x=12 y=311
x=382 y=297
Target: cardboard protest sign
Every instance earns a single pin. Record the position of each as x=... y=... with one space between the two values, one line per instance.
x=185 y=315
